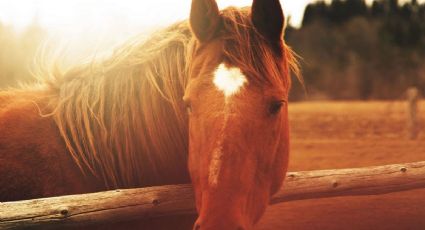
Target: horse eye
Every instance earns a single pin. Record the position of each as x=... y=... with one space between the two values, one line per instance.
x=275 y=107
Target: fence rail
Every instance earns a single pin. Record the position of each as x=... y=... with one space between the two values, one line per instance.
x=131 y=204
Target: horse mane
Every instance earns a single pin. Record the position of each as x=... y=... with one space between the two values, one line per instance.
x=122 y=118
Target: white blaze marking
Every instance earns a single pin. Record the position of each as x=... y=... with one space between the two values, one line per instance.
x=229 y=80
x=215 y=166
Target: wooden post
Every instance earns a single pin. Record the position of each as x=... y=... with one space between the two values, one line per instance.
x=412 y=108
x=136 y=204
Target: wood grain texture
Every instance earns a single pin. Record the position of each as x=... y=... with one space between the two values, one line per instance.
x=131 y=204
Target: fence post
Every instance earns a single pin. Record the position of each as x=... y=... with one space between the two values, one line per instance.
x=412 y=108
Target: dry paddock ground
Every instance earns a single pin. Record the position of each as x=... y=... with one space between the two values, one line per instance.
x=332 y=135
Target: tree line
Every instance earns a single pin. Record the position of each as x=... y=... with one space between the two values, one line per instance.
x=352 y=50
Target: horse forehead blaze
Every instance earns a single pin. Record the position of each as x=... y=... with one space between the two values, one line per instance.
x=229 y=80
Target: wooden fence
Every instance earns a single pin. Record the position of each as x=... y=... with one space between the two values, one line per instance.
x=131 y=204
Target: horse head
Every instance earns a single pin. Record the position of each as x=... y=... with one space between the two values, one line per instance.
x=236 y=98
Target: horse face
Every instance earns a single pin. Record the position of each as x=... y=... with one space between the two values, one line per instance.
x=236 y=99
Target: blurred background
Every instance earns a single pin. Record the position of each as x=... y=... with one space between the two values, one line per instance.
x=358 y=50
x=351 y=49
x=359 y=58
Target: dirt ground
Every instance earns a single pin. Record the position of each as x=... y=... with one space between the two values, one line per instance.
x=331 y=135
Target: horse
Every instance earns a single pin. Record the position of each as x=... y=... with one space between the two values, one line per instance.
x=203 y=101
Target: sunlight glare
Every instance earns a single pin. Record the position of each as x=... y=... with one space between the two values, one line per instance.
x=87 y=26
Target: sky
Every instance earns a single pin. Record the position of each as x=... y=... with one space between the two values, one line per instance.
x=85 y=27
x=69 y=16
x=88 y=26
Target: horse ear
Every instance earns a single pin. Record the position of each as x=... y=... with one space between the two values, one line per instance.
x=204 y=19
x=267 y=17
